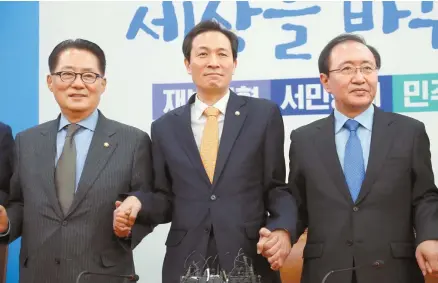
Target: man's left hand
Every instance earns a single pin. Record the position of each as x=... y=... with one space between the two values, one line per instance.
x=125 y=215
x=427 y=257
x=275 y=246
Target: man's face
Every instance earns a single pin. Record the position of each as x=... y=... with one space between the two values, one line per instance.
x=211 y=61
x=353 y=82
x=71 y=93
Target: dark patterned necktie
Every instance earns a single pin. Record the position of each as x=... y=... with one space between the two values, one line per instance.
x=65 y=173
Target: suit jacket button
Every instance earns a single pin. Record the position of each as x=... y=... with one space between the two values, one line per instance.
x=64 y=223
x=213 y=197
x=355 y=209
x=57 y=261
x=349 y=242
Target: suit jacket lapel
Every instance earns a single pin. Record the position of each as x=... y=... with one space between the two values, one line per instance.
x=46 y=152
x=186 y=139
x=381 y=139
x=101 y=148
x=325 y=143
x=234 y=119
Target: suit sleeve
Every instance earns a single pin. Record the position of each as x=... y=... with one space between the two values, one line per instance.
x=157 y=203
x=14 y=208
x=141 y=182
x=279 y=201
x=424 y=191
x=297 y=186
x=6 y=159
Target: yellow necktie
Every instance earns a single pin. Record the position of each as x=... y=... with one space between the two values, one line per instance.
x=210 y=141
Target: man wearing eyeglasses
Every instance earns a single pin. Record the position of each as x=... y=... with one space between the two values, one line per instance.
x=68 y=175
x=363 y=179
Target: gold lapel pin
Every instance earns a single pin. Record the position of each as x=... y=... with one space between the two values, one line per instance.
x=106 y=144
x=237 y=113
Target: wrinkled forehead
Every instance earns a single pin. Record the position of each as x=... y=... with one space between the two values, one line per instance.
x=350 y=52
x=211 y=40
x=78 y=60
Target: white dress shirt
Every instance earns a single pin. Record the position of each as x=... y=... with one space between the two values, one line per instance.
x=198 y=119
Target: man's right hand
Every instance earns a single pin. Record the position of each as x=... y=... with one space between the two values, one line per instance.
x=4 y=221
x=125 y=215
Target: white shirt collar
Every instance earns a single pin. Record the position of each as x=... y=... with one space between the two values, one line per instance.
x=221 y=105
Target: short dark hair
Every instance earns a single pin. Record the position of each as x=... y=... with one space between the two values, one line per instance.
x=205 y=26
x=323 y=61
x=80 y=44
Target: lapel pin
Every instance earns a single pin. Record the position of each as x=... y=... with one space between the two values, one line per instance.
x=237 y=113
x=106 y=144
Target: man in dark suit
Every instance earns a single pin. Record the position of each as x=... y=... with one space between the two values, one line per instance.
x=6 y=155
x=69 y=172
x=363 y=179
x=218 y=197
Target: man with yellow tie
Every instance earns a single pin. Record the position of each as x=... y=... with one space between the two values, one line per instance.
x=219 y=171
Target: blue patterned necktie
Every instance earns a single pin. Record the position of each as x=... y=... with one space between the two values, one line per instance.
x=354 y=168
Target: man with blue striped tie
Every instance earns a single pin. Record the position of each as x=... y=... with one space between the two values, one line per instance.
x=363 y=180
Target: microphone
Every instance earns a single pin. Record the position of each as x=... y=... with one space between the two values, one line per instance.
x=130 y=277
x=243 y=271
x=377 y=264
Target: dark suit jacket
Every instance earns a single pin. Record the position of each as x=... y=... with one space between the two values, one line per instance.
x=398 y=194
x=56 y=248
x=248 y=183
x=6 y=156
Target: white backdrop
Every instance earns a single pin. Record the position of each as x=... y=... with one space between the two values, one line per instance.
x=134 y=65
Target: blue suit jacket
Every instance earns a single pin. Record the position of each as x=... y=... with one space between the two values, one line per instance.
x=248 y=190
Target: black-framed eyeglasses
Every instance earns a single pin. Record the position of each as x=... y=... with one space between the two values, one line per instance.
x=352 y=70
x=87 y=77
